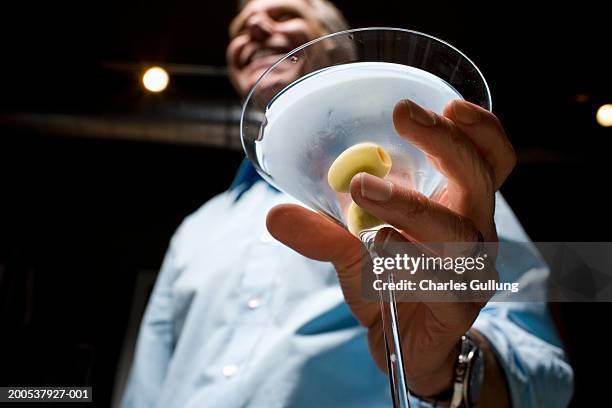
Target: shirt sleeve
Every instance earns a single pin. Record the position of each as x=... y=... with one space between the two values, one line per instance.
x=523 y=334
x=155 y=340
x=523 y=337
x=527 y=347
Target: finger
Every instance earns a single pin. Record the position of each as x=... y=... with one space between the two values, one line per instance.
x=422 y=219
x=313 y=235
x=446 y=146
x=486 y=133
x=451 y=318
x=317 y=237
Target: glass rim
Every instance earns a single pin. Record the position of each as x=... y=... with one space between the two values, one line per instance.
x=355 y=30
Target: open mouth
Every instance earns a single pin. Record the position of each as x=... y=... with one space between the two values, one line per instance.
x=266 y=54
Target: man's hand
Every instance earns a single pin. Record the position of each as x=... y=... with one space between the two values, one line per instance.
x=468 y=145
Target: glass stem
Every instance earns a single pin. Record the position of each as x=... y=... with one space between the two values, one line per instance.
x=390 y=324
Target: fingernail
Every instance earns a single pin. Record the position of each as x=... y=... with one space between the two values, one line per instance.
x=465 y=114
x=375 y=189
x=420 y=115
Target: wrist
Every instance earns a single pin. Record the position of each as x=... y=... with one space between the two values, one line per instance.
x=437 y=384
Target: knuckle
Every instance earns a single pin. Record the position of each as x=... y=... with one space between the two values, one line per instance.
x=488 y=178
x=508 y=149
x=464 y=229
x=419 y=205
x=512 y=157
x=495 y=122
x=460 y=143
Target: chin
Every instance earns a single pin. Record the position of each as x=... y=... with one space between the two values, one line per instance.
x=254 y=77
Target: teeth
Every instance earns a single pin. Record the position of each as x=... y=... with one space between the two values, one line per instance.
x=264 y=53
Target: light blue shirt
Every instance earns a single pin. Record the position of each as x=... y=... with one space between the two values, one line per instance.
x=237 y=319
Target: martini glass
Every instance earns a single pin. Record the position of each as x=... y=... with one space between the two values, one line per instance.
x=340 y=90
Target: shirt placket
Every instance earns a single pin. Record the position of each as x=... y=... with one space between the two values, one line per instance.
x=254 y=298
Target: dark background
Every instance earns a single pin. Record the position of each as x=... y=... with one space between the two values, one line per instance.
x=81 y=216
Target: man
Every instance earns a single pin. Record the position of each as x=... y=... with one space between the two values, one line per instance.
x=238 y=319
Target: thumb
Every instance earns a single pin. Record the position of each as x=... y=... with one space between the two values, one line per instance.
x=318 y=237
x=314 y=235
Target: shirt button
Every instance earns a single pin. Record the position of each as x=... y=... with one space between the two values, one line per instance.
x=229 y=370
x=254 y=303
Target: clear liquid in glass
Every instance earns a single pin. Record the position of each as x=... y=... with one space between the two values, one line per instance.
x=311 y=121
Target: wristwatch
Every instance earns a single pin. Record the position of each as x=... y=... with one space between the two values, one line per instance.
x=469 y=374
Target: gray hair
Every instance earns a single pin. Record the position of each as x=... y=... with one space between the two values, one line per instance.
x=327 y=14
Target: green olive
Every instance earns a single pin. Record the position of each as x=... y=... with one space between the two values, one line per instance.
x=363 y=157
x=360 y=220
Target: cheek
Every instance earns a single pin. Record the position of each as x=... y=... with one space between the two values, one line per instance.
x=234 y=48
x=230 y=53
x=301 y=31
x=237 y=78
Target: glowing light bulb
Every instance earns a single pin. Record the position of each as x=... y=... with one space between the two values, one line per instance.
x=604 y=115
x=155 y=79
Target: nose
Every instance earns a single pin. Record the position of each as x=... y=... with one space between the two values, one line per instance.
x=259 y=26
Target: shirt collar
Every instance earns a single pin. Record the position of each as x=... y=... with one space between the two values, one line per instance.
x=245 y=178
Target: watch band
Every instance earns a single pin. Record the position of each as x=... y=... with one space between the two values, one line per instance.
x=468 y=358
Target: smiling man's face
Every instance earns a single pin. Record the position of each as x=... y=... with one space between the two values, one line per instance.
x=263 y=32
